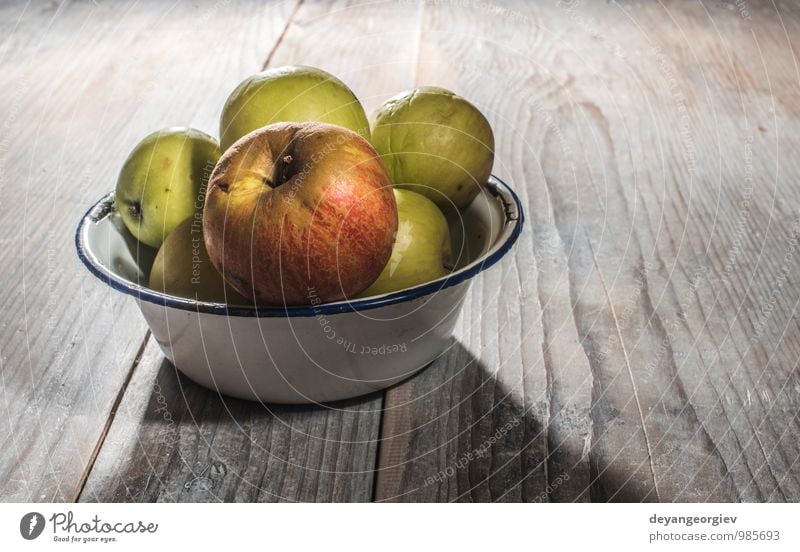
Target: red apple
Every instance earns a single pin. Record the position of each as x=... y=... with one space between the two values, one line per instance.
x=300 y=213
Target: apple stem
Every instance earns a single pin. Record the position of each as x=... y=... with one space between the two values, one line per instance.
x=281 y=175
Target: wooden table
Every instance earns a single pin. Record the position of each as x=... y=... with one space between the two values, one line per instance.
x=640 y=344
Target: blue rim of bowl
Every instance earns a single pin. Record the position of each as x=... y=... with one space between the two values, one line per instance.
x=514 y=217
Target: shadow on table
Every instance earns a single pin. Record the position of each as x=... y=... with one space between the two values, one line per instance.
x=191 y=444
x=465 y=431
x=462 y=431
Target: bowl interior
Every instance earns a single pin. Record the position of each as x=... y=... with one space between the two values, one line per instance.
x=492 y=221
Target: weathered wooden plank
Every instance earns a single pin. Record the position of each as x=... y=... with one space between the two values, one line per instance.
x=218 y=449
x=668 y=376
x=83 y=83
x=471 y=426
x=723 y=261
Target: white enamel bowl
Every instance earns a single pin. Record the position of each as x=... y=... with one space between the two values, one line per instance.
x=304 y=354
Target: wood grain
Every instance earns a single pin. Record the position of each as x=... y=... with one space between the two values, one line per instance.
x=629 y=354
x=217 y=449
x=84 y=83
x=639 y=344
x=174 y=441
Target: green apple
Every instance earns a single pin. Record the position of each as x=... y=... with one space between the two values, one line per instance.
x=163 y=182
x=293 y=93
x=437 y=140
x=422 y=249
x=182 y=267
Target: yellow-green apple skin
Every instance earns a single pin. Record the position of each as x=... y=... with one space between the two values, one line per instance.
x=163 y=182
x=294 y=93
x=422 y=250
x=182 y=267
x=300 y=213
x=437 y=141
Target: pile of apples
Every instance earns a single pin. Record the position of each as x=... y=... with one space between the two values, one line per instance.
x=310 y=201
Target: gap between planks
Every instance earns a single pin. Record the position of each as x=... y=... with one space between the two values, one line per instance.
x=281 y=36
x=111 y=416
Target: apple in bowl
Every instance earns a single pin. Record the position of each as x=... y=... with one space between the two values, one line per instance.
x=300 y=213
x=182 y=268
x=163 y=182
x=422 y=250
x=293 y=93
x=436 y=142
